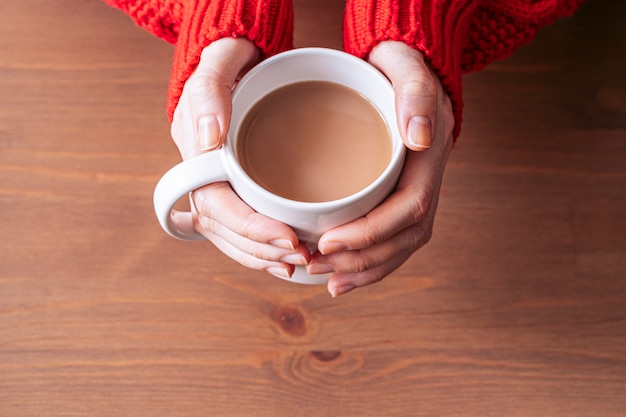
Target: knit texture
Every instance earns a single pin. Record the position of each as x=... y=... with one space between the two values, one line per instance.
x=194 y=24
x=161 y=17
x=455 y=36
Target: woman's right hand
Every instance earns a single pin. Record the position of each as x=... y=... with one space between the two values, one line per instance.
x=200 y=124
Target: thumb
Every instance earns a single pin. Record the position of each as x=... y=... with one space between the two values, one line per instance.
x=210 y=88
x=210 y=106
x=415 y=89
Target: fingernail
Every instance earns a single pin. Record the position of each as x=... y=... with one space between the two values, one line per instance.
x=315 y=269
x=342 y=290
x=208 y=133
x=282 y=243
x=278 y=272
x=294 y=259
x=327 y=248
x=419 y=132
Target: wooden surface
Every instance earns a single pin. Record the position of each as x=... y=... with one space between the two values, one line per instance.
x=517 y=307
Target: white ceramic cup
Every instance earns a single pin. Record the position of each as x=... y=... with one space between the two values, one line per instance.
x=309 y=220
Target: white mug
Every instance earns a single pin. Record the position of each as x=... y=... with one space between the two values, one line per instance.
x=309 y=220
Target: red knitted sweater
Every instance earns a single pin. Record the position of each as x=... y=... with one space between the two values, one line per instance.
x=456 y=36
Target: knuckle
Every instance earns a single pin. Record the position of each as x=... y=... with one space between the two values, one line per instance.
x=374 y=232
x=364 y=263
x=419 y=236
x=198 y=202
x=209 y=199
x=371 y=238
x=201 y=202
x=203 y=224
x=196 y=85
x=420 y=86
x=247 y=223
x=201 y=87
x=422 y=201
x=257 y=252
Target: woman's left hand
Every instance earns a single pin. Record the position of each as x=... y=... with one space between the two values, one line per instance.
x=368 y=249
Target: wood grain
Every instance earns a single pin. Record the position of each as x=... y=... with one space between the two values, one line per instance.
x=517 y=307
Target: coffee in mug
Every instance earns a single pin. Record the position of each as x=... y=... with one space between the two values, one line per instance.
x=335 y=166
x=313 y=141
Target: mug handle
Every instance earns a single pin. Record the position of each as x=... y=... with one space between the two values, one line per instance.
x=179 y=181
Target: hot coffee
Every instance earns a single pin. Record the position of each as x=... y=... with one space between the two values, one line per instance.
x=314 y=141
x=308 y=140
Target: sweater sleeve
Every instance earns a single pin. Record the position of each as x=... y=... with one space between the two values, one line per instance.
x=193 y=24
x=160 y=17
x=455 y=36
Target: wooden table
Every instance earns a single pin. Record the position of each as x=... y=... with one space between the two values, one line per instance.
x=517 y=307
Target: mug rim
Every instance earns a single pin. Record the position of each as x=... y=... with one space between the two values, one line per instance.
x=397 y=151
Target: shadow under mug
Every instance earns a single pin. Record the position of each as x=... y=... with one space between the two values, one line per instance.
x=309 y=220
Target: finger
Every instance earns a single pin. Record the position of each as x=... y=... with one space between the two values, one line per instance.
x=416 y=91
x=405 y=242
x=409 y=204
x=210 y=105
x=400 y=210
x=266 y=251
x=219 y=202
x=211 y=85
x=339 y=284
x=279 y=269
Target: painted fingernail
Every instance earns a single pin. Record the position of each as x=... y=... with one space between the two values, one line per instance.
x=315 y=269
x=208 y=133
x=294 y=259
x=278 y=272
x=327 y=248
x=419 y=132
x=336 y=292
x=282 y=243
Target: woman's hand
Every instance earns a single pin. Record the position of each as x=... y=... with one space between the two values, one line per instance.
x=370 y=248
x=202 y=116
x=200 y=124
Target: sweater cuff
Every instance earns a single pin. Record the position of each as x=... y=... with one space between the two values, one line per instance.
x=437 y=29
x=268 y=24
